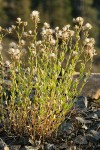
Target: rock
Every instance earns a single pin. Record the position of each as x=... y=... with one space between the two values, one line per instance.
x=15 y=147
x=80 y=140
x=90 y=138
x=24 y=140
x=92 y=87
x=93 y=116
x=64 y=146
x=49 y=146
x=93 y=136
x=65 y=128
x=98 y=113
x=83 y=121
x=96 y=94
x=3 y=145
x=30 y=148
x=95 y=126
x=81 y=103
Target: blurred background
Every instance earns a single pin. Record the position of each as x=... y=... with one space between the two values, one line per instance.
x=55 y=12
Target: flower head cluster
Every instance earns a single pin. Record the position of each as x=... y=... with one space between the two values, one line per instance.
x=47 y=33
x=46 y=25
x=65 y=33
x=78 y=20
x=19 y=20
x=7 y=63
x=5 y=31
x=87 y=26
x=39 y=43
x=13 y=45
x=89 y=47
x=22 y=42
x=35 y=16
x=14 y=51
x=9 y=30
x=66 y=27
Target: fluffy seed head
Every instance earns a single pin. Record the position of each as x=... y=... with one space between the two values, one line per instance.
x=13 y=27
x=65 y=35
x=11 y=51
x=59 y=34
x=17 y=51
x=89 y=41
x=39 y=42
x=88 y=26
x=7 y=63
x=25 y=34
x=78 y=20
x=30 y=31
x=35 y=13
x=89 y=47
x=22 y=42
x=35 y=16
x=57 y=28
x=9 y=30
x=46 y=25
x=13 y=45
x=65 y=28
x=19 y=20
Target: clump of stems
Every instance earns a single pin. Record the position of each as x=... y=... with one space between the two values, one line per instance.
x=37 y=93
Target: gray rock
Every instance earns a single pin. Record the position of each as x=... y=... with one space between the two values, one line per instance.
x=98 y=113
x=95 y=134
x=81 y=103
x=15 y=147
x=3 y=145
x=81 y=140
x=92 y=87
x=95 y=126
x=65 y=128
x=83 y=121
x=21 y=140
x=30 y=148
x=93 y=116
x=90 y=138
x=65 y=146
x=49 y=146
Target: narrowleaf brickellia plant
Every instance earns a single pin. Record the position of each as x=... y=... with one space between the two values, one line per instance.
x=42 y=89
